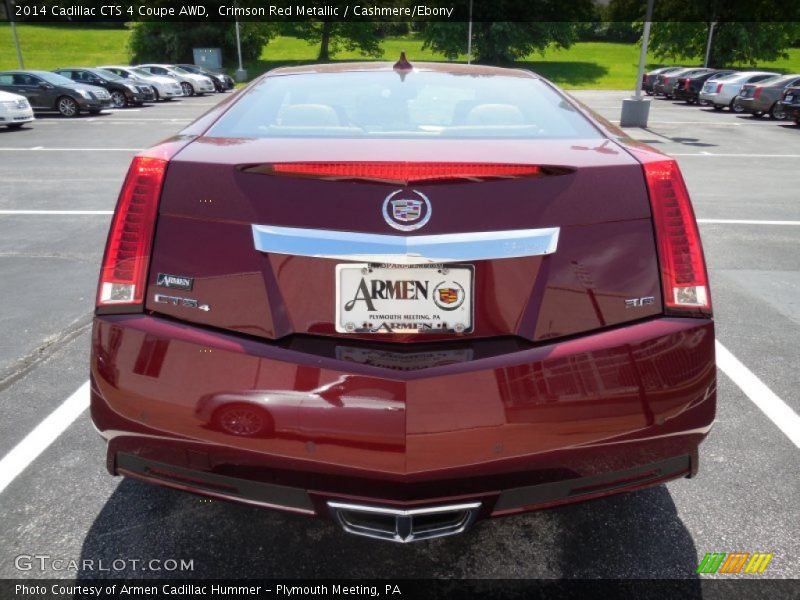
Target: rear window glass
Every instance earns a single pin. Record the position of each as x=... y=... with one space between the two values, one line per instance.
x=415 y=105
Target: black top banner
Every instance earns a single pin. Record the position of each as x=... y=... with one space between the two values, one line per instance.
x=394 y=10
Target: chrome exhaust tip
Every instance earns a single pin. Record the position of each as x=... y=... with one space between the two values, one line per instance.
x=403 y=526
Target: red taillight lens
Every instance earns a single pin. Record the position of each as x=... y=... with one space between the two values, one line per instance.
x=719 y=88
x=683 y=269
x=400 y=172
x=686 y=84
x=757 y=93
x=124 y=272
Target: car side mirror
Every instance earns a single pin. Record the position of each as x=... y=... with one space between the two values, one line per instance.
x=45 y=86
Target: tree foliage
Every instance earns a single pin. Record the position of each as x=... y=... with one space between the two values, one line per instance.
x=552 y=23
x=732 y=44
x=498 y=43
x=161 y=41
x=332 y=37
x=746 y=31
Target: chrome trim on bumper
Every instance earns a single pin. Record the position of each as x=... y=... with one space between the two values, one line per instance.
x=409 y=250
x=403 y=529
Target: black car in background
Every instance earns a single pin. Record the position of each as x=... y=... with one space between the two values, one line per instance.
x=48 y=91
x=649 y=78
x=688 y=88
x=222 y=81
x=790 y=102
x=122 y=93
x=665 y=84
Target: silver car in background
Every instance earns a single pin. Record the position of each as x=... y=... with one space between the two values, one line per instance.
x=722 y=92
x=191 y=84
x=165 y=88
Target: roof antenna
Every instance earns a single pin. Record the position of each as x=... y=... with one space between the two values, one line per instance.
x=403 y=64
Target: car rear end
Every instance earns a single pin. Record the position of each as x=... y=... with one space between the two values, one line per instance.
x=307 y=304
x=790 y=103
x=712 y=88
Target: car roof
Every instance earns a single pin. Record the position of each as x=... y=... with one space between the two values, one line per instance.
x=374 y=67
x=751 y=73
x=27 y=71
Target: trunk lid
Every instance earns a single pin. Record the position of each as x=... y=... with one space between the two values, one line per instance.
x=603 y=271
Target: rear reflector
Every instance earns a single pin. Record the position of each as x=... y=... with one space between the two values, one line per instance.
x=398 y=172
x=683 y=270
x=122 y=278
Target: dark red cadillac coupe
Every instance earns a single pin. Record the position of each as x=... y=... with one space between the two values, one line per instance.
x=403 y=298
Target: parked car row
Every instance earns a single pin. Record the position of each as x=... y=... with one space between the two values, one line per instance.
x=758 y=93
x=72 y=90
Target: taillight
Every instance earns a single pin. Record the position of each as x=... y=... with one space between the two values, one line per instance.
x=757 y=93
x=124 y=272
x=686 y=84
x=719 y=87
x=401 y=172
x=680 y=253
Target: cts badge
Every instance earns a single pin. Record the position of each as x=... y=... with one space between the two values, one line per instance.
x=406 y=210
x=177 y=282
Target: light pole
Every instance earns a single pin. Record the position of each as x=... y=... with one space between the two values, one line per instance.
x=636 y=110
x=10 y=12
x=241 y=73
x=469 y=35
x=708 y=46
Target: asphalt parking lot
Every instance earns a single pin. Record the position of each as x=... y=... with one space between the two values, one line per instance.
x=59 y=180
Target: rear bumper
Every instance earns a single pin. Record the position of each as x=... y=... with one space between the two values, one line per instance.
x=682 y=94
x=514 y=431
x=750 y=105
x=792 y=110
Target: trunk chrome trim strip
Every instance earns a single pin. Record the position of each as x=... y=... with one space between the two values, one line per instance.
x=408 y=250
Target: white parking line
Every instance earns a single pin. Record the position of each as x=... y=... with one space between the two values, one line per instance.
x=746 y=222
x=764 y=398
x=44 y=434
x=712 y=154
x=42 y=149
x=706 y=123
x=56 y=212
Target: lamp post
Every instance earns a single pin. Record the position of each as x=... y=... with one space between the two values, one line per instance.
x=469 y=35
x=636 y=110
x=708 y=46
x=10 y=13
x=241 y=73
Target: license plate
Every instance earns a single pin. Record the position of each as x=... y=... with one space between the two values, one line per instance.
x=373 y=298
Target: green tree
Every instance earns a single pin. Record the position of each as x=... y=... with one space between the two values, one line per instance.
x=498 y=38
x=498 y=42
x=733 y=42
x=332 y=37
x=161 y=41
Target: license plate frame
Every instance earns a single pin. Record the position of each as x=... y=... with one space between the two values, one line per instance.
x=435 y=299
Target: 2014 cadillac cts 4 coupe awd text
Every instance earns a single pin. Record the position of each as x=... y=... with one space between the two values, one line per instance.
x=403 y=298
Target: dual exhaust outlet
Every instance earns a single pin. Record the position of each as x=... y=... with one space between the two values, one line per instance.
x=403 y=526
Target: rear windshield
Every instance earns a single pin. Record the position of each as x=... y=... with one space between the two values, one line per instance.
x=386 y=104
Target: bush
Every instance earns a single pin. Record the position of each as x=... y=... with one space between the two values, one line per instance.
x=173 y=42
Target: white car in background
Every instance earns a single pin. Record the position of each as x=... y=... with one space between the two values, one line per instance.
x=191 y=84
x=166 y=88
x=723 y=91
x=15 y=110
